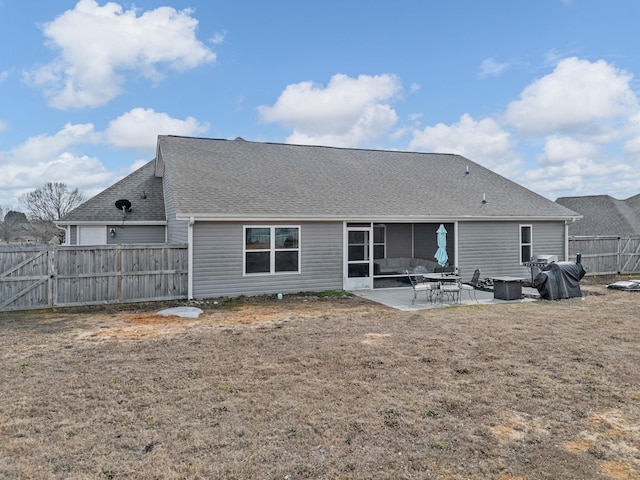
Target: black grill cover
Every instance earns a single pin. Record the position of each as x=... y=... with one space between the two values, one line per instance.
x=560 y=280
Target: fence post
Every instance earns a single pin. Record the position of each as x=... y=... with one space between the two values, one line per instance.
x=119 y=272
x=619 y=259
x=52 y=272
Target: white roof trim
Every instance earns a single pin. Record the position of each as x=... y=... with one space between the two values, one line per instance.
x=115 y=222
x=376 y=219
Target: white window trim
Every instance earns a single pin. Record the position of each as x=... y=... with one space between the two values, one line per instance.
x=522 y=244
x=272 y=250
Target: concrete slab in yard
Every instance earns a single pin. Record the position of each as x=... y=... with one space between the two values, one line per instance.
x=185 y=312
x=401 y=298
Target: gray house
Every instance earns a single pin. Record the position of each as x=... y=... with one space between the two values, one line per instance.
x=99 y=222
x=267 y=218
x=603 y=215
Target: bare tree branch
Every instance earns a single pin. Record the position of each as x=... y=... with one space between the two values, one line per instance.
x=51 y=202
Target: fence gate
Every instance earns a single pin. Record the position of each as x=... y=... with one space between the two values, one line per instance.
x=25 y=281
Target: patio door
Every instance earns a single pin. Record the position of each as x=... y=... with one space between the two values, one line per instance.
x=359 y=257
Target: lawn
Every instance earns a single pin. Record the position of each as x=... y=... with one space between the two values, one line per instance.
x=325 y=388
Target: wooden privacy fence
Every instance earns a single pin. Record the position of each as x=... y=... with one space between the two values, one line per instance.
x=606 y=255
x=62 y=276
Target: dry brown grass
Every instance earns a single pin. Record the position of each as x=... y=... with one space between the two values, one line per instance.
x=326 y=389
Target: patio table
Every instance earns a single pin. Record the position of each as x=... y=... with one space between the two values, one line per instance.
x=441 y=277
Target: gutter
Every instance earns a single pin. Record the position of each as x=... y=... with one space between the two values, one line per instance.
x=372 y=218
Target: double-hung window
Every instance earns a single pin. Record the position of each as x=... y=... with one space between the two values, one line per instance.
x=271 y=250
x=526 y=243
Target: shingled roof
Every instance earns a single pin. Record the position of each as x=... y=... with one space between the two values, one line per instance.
x=604 y=215
x=142 y=188
x=212 y=179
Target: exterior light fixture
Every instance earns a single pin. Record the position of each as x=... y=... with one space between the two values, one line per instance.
x=112 y=232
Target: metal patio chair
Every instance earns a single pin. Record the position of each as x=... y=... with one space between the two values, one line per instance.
x=451 y=290
x=419 y=285
x=472 y=285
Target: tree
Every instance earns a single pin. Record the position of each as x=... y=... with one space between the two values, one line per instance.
x=51 y=202
x=47 y=204
x=12 y=224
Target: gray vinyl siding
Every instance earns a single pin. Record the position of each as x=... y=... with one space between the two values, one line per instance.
x=494 y=247
x=218 y=265
x=177 y=230
x=130 y=234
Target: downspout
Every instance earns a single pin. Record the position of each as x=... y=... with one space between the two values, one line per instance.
x=192 y=220
x=455 y=244
x=67 y=232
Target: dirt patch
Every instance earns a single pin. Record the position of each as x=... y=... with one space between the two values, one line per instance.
x=325 y=388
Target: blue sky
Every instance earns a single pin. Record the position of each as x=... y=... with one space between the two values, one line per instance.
x=544 y=92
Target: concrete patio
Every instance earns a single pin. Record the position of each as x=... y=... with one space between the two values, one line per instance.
x=401 y=297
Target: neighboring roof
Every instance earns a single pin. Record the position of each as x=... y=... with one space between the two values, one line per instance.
x=101 y=208
x=604 y=215
x=236 y=179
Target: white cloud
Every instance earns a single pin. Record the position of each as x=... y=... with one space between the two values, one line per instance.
x=24 y=169
x=44 y=147
x=62 y=157
x=51 y=158
x=139 y=128
x=218 y=38
x=347 y=112
x=582 y=176
x=632 y=144
x=97 y=44
x=558 y=150
x=578 y=95
x=4 y=75
x=490 y=68
x=482 y=141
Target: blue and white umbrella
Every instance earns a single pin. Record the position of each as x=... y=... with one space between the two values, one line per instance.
x=441 y=253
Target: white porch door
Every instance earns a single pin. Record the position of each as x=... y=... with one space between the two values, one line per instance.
x=358 y=265
x=92 y=235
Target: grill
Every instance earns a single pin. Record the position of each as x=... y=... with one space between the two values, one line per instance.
x=560 y=280
x=541 y=263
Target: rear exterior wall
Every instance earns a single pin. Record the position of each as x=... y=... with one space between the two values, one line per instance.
x=494 y=247
x=218 y=261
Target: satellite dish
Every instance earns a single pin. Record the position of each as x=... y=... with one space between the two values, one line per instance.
x=123 y=204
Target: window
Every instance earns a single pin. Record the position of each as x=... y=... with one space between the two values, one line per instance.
x=269 y=250
x=379 y=236
x=526 y=243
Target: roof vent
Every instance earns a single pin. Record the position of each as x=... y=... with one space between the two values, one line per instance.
x=240 y=139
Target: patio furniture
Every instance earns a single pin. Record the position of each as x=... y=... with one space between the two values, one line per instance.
x=390 y=266
x=472 y=285
x=450 y=289
x=507 y=288
x=419 y=285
